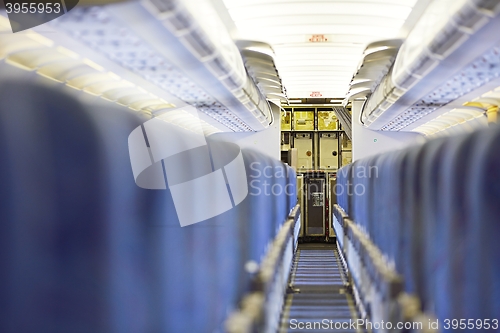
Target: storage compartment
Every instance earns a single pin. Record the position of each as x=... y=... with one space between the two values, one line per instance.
x=328 y=151
x=303 y=143
x=315 y=205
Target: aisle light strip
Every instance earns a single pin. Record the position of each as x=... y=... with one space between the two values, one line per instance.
x=437 y=127
x=480 y=71
x=67 y=52
x=62 y=65
x=40 y=39
x=4 y=24
x=432 y=127
x=89 y=76
x=93 y=65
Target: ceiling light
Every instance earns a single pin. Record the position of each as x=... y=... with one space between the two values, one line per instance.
x=347 y=27
x=247 y=10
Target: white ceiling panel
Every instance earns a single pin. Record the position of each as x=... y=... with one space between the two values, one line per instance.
x=318 y=44
x=311 y=29
x=245 y=10
x=322 y=19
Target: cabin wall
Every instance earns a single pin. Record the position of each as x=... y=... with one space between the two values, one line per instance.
x=366 y=142
x=267 y=141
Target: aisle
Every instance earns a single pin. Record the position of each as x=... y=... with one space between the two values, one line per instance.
x=319 y=302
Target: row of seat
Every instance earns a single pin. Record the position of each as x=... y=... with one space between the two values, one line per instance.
x=84 y=249
x=434 y=212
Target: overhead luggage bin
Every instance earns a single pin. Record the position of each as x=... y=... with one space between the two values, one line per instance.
x=260 y=64
x=378 y=58
x=199 y=29
x=453 y=50
x=181 y=47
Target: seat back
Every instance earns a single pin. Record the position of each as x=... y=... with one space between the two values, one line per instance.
x=481 y=246
x=53 y=236
x=452 y=224
x=432 y=205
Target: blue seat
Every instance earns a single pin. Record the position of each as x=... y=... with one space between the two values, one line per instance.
x=291 y=188
x=446 y=256
x=127 y=210
x=481 y=259
x=171 y=251
x=412 y=221
x=432 y=217
x=85 y=249
x=258 y=206
x=433 y=211
x=194 y=280
x=384 y=225
x=54 y=258
x=341 y=189
x=277 y=193
x=398 y=209
x=372 y=191
x=357 y=193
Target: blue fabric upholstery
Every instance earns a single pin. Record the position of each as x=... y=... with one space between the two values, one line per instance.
x=432 y=217
x=413 y=235
x=433 y=211
x=451 y=225
x=84 y=249
x=481 y=243
x=54 y=258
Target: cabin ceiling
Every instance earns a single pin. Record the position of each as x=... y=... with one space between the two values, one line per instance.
x=318 y=44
